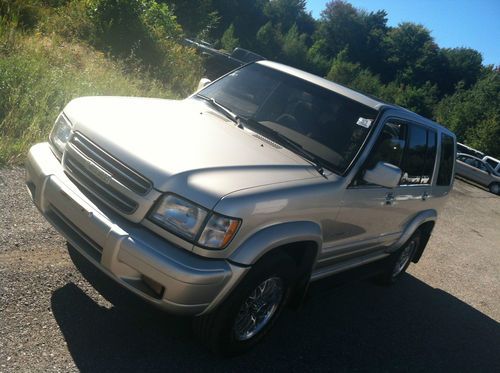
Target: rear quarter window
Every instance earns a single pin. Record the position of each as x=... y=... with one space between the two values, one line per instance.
x=492 y=163
x=446 y=160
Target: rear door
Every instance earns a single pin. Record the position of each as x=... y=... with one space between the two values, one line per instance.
x=473 y=169
x=419 y=162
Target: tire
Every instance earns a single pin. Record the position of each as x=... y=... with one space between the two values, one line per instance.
x=400 y=260
x=494 y=188
x=222 y=330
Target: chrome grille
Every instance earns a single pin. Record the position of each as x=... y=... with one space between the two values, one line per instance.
x=126 y=176
x=102 y=176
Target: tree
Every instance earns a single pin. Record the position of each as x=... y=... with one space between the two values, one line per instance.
x=340 y=26
x=354 y=76
x=246 y=16
x=474 y=114
x=197 y=17
x=229 y=40
x=462 y=65
x=287 y=13
x=294 y=48
x=269 y=41
x=412 y=54
x=318 y=60
x=422 y=100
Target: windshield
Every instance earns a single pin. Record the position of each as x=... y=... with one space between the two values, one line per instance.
x=326 y=124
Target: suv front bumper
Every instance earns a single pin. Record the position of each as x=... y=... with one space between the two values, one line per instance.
x=156 y=270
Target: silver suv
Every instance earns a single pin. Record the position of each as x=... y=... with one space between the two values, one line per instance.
x=227 y=204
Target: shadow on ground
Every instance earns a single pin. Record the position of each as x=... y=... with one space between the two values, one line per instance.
x=343 y=327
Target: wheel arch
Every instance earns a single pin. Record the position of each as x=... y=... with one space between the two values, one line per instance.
x=426 y=231
x=424 y=221
x=285 y=236
x=490 y=185
x=301 y=241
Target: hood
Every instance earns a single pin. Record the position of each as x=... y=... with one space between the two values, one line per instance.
x=184 y=147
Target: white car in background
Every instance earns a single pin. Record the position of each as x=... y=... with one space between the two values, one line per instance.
x=494 y=163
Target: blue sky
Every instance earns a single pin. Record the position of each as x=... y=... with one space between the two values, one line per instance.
x=453 y=23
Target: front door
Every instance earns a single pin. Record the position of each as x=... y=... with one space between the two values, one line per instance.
x=371 y=216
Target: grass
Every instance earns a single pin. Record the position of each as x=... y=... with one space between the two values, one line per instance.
x=42 y=69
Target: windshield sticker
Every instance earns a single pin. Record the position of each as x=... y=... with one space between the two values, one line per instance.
x=363 y=122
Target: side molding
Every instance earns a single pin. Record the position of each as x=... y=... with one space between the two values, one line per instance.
x=274 y=236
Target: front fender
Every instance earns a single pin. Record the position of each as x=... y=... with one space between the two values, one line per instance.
x=275 y=236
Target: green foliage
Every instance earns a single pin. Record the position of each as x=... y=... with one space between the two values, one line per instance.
x=294 y=48
x=287 y=13
x=413 y=54
x=132 y=25
x=342 y=70
x=51 y=59
x=197 y=17
x=421 y=100
x=463 y=66
x=354 y=76
x=474 y=114
x=137 y=41
x=318 y=61
x=37 y=80
x=23 y=14
x=229 y=40
x=269 y=41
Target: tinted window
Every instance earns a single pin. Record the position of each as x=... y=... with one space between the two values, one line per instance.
x=446 y=160
x=414 y=158
x=492 y=163
x=389 y=146
x=468 y=160
x=324 y=123
x=481 y=166
x=430 y=157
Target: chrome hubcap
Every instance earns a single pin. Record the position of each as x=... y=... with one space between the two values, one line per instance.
x=404 y=258
x=258 y=308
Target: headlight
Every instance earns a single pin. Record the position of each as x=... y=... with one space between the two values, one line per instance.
x=60 y=133
x=219 y=231
x=179 y=216
x=187 y=219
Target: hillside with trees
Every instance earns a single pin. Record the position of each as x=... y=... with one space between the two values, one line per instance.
x=54 y=50
x=402 y=65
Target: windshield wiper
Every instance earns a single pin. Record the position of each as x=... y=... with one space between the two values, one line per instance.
x=221 y=108
x=288 y=143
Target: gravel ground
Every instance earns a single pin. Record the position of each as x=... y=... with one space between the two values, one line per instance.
x=444 y=315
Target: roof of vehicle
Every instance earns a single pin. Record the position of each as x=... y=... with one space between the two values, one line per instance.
x=364 y=99
x=492 y=158
x=470 y=156
x=470 y=148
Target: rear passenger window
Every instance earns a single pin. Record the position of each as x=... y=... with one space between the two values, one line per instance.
x=446 y=160
x=430 y=157
x=419 y=156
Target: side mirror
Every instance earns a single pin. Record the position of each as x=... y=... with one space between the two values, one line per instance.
x=384 y=174
x=203 y=83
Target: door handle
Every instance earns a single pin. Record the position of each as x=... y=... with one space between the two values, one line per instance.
x=425 y=196
x=389 y=198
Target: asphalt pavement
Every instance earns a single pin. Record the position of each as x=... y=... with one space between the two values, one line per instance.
x=442 y=316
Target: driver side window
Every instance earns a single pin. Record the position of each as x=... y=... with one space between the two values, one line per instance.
x=390 y=146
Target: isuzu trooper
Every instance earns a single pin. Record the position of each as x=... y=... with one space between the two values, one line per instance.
x=227 y=204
